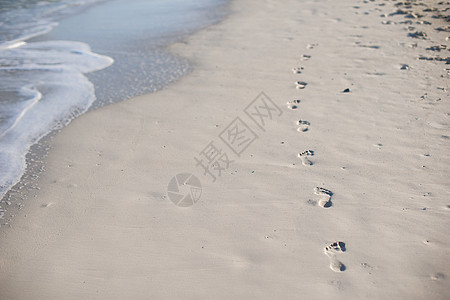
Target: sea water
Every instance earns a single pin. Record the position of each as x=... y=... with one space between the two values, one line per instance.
x=58 y=59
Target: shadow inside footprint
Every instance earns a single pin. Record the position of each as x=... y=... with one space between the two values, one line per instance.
x=293 y=104
x=300 y=84
x=305 y=57
x=326 y=202
x=304 y=126
x=339 y=267
x=331 y=251
x=336 y=247
x=304 y=157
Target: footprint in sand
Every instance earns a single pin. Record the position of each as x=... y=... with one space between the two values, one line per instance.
x=404 y=67
x=336 y=247
x=297 y=70
x=331 y=251
x=300 y=85
x=304 y=157
x=378 y=146
x=443 y=29
x=418 y=35
x=367 y=46
x=304 y=125
x=326 y=201
x=438 y=276
x=305 y=57
x=409 y=45
x=437 y=48
x=293 y=104
x=388 y=22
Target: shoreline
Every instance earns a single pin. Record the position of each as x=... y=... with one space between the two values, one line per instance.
x=101 y=223
x=101 y=79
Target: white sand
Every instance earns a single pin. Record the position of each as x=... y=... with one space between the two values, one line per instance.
x=102 y=227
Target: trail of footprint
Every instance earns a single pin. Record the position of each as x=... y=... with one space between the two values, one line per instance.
x=304 y=125
x=304 y=157
x=293 y=104
x=335 y=247
x=326 y=201
x=300 y=85
x=331 y=251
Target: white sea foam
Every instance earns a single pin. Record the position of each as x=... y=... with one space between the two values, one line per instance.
x=42 y=84
x=42 y=88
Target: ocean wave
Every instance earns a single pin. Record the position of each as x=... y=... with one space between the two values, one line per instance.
x=42 y=84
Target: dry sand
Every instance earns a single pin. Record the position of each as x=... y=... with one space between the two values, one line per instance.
x=364 y=214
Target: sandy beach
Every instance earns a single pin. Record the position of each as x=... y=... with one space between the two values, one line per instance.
x=337 y=188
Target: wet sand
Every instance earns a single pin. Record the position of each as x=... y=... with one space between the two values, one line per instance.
x=338 y=189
